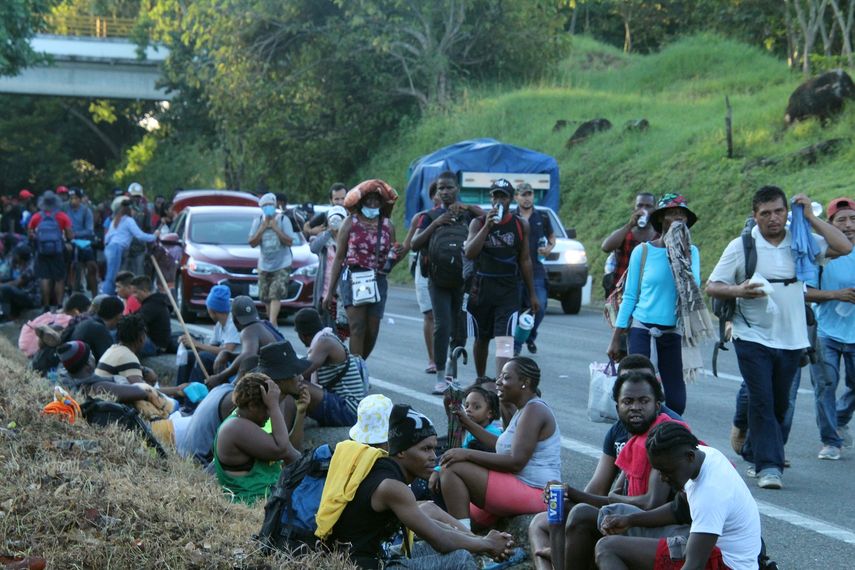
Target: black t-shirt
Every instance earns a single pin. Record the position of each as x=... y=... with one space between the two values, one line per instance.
x=539 y=227
x=497 y=268
x=360 y=525
x=617 y=436
x=93 y=332
x=155 y=312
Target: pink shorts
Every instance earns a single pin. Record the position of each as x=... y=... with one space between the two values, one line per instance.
x=506 y=496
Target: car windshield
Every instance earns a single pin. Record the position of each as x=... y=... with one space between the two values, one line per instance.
x=230 y=228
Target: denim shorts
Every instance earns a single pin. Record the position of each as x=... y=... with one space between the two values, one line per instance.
x=346 y=294
x=333 y=411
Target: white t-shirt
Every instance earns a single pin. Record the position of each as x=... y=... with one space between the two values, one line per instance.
x=227 y=334
x=785 y=328
x=721 y=504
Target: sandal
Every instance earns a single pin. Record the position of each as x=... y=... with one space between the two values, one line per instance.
x=431 y=369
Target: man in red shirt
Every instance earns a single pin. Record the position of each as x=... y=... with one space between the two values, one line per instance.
x=50 y=230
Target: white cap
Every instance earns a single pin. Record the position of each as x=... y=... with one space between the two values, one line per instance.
x=135 y=189
x=268 y=199
x=335 y=216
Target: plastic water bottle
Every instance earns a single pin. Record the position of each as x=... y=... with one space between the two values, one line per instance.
x=542 y=242
x=525 y=323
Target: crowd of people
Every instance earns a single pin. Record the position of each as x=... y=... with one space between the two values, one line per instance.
x=658 y=498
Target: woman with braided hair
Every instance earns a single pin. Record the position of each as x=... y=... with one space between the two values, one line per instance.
x=510 y=481
x=247 y=458
x=725 y=522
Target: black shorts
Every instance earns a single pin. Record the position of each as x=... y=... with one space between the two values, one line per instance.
x=51 y=267
x=492 y=320
x=85 y=255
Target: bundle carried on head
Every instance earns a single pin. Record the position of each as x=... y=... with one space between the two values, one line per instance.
x=388 y=195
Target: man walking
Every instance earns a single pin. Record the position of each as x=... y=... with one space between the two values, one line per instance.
x=769 y=341
x=834 y=294
x=275 y=234
x=623 y=240
x=135 y=258
x=498 y=243
x=440 y=237
x=541 y=241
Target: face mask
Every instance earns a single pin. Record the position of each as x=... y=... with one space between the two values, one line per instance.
x=269 y=210
x=370 y=213
x=335 y=222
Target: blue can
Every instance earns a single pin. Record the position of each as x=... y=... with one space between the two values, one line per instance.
x=555 y=508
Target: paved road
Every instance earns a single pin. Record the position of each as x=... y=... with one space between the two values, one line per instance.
x=809 y=524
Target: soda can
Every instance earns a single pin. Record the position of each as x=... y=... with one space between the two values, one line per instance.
x=642 y=220
x=555 y=508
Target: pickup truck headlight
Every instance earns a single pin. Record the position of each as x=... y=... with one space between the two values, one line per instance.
x=573 y=257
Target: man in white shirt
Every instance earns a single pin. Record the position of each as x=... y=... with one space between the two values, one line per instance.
x=770 y=331
x=725 y=521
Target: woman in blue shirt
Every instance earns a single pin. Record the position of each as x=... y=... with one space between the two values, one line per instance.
x=121 y=231
x=649 y=311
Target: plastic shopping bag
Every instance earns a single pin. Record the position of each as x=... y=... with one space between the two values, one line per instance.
x=601 y=405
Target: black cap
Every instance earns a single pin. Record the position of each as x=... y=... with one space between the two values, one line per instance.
x=502 y=185
x=407 y=427
x=279 y=361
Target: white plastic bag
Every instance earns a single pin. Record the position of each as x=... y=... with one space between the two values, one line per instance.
x=601 y=405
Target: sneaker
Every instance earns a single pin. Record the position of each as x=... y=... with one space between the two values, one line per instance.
x=737 y=438
x=532 y=348
x=830 y=452
x=770 y=480
x=844 y=433
x=440 y=387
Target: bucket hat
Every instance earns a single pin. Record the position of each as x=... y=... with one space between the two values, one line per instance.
x=667 y=202
x=372 y=420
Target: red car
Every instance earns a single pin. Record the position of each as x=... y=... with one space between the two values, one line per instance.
x=215 y=250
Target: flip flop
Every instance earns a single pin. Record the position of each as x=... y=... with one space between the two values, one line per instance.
x=431 y=369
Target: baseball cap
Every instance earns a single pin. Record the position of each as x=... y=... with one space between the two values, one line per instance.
x=839 y=204
x=25 y=194
x=78 y=192
x=268 y=199
x=502 y=185
x=61 y=190
x=135 y=189
x=243 y=309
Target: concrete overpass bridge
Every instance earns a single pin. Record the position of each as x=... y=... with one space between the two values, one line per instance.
x=91 y=66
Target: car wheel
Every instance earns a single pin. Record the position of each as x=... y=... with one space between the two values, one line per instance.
x=188 y=315
x=571 y=301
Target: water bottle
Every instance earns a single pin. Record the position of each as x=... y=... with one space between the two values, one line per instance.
x=643 y=219
x=525 y=323
x=542 y=242
x=391 y=258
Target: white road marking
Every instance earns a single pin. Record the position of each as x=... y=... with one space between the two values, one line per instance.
x=733 y=378
x=405 y=317
x=767 y=509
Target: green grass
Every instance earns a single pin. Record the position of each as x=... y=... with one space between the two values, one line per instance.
x=681 y=91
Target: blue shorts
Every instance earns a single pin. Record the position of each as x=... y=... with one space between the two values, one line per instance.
x=333 y=411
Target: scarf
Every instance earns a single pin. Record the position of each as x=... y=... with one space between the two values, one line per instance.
x=805 y=250
x=693 y=318
x=634 y=462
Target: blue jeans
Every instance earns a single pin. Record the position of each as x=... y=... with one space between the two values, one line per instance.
x=825 y=375
x=740 y=417
x=669 y=362
x=769 y=375
x=113 y=254
x=539 y=278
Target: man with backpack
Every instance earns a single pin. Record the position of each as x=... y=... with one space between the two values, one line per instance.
x=541 y=241
x=274 y=235
x=498 y=243
x=440 y=237
x=382 y=504
x=50 y=229
x=770 y=341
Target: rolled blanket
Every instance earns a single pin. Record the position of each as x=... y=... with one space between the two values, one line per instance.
x=388 y=195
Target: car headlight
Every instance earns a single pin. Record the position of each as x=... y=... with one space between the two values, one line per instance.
x=310 y=270
x=201 y=268
x=573 y=257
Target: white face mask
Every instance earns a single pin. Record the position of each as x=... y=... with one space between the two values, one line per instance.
x=370 y=213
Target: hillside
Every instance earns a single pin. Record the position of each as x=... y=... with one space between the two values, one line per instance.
x=681 y=91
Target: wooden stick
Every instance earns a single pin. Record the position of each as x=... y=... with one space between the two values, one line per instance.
x=728 y=126
x=175 y=308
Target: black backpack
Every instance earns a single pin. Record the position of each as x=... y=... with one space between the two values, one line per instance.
x=445 y=255
x=103 y=413
x=289 y=523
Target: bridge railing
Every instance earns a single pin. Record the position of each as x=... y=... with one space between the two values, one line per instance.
x=91 y=26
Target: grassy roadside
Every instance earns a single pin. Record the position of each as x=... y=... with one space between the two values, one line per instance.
x=111 y=503
x=681 y=91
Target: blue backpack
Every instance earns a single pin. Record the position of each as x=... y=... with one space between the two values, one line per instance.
x=49 y=236
x=289 y=515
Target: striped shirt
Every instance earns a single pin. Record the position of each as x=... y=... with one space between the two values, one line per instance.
x=350 y=388
x=119 y=360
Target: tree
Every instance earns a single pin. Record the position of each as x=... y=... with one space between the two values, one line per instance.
x=19 y=20
x=809 y=17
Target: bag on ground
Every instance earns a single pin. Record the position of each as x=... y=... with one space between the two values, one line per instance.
x=601 y=405
x=289 y=515
x=102 y=413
